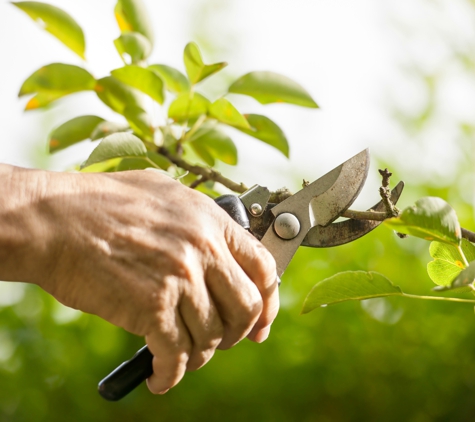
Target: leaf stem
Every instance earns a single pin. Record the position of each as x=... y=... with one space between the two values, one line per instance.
x=459 y=248
x=447 y=299
x=152 y=163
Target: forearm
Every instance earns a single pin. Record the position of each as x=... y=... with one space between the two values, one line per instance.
x=25 y=230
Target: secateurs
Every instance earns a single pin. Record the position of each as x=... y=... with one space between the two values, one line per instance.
x=305 y=218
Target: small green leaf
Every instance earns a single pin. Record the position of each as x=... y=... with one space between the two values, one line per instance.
x=131 y=15
x=270 y=87
x=349 y=285
x=42 y=100
x=72 y=132
x=223 y=111
x=104 y=129
x=448 y=262
x=139 y=121
x=143 y=163
x=184 y=108
x=117 y=145
x=107 y=166
x=431 y=219
x=117 y=95
x=195 y=67
x=465 y=279
x=267 y=131
x=145 y=80
x=57 y=22
x=133 y=44
x=174 y=80
x=55 y=81
x=210 y=144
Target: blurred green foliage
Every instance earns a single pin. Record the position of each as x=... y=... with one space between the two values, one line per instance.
x=386 y=359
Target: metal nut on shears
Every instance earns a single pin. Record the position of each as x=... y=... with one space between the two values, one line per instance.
x=287 y=226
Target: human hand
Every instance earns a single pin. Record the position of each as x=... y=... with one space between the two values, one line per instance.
x=158 y=259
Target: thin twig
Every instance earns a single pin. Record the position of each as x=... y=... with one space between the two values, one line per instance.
x=365 y=215
x=198 y=182
x=385 y=192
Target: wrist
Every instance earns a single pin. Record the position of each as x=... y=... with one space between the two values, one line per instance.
x=26 y=232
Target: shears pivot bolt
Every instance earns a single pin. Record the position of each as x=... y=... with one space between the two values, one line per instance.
x=256 y=209
x=287 y=226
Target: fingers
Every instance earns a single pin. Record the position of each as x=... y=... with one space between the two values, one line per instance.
x=186 y=337
x=171 y=346
x=237 y=298
x=259 y=266
x=203 y=323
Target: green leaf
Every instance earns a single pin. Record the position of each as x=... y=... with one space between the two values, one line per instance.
x=54 y=81
x=133 y=44
x=448 y=262
x=195 y=67
x=117 y=145
x=466 y=278
x=102 y=167
x=73 y=131
x=223 y=111
x=139 y=120
x=349 y=285
x=267 y=131
x=184 y=108
x=270 y=87
x=131 y=15
x=174 y=80
x=431 y=219
x=142 y=163
x=145 y=80
x=116 y=94
x=57 y=22
x=210 y=144
x=108 y=128
x=42 y=100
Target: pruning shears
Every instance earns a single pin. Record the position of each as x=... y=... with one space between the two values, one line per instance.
x=306 y=218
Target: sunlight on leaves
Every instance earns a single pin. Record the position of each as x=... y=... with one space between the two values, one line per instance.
x=448 y=263
x=174 y=80
x=131 y=15
x=195 y=67
x=145 y=80
x=223 y=111
x=270 y=87
x=57 y=22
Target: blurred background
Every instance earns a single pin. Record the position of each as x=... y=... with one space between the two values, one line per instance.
x=397 y=76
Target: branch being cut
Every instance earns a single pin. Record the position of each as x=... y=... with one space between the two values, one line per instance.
x=205 y=172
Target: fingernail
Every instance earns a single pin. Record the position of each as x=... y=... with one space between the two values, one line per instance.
x=164 y=391
x=278 y=281
x=262 y=335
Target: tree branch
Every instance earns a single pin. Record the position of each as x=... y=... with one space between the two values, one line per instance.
x=205 y=172
x=467 y=234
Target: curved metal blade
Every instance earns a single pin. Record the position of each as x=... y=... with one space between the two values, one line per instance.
x=346 y=231
x=319 y=203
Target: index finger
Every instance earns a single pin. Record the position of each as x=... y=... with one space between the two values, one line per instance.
x=259 y=265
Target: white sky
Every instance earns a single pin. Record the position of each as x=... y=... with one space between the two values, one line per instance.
x=350 y=55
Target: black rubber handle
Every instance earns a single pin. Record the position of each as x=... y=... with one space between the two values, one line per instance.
x=133 y=372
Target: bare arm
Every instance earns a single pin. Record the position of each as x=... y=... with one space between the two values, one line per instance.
x=143 y=252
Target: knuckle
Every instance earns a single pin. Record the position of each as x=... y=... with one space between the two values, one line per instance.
x=200 y=359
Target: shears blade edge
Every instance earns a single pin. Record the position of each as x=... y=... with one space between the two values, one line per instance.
x=346 y=231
